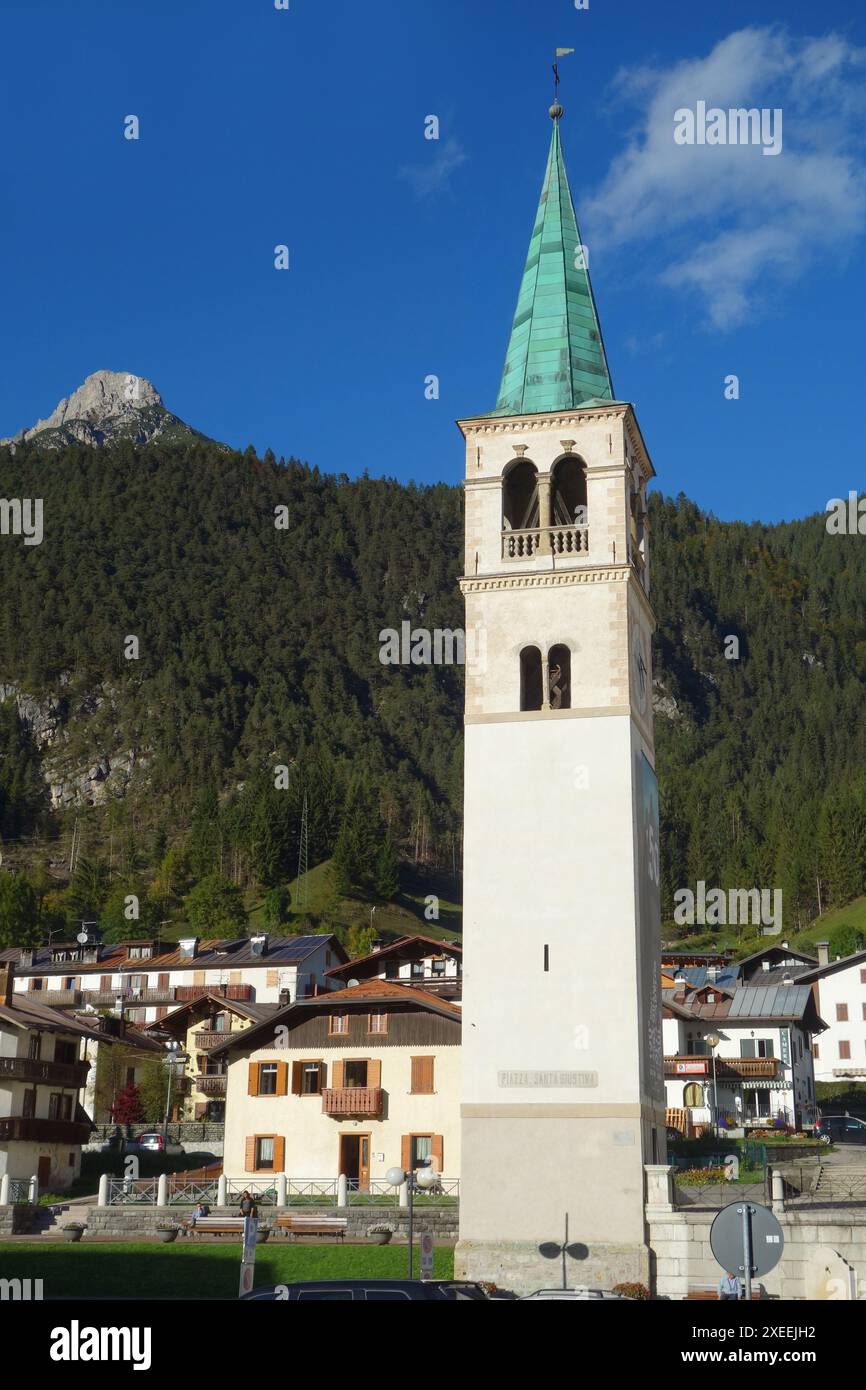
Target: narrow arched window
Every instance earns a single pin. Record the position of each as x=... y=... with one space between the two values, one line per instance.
x=559 y=676
x=531 y=685
x=520 y=497
x=568 y=493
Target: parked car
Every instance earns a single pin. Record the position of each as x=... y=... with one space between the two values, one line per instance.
x=152 y=1142
x=368 y=1290
x=840 y=1129
x=576 y=1293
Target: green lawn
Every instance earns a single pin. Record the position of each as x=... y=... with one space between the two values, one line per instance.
x=191 y=1270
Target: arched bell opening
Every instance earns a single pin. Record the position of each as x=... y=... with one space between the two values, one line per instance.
x=531 y=681
x=568 y=492
x=520 y=497
x=559 y=677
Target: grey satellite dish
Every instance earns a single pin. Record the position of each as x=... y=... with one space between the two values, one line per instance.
x=83 y=938
x=354 y=982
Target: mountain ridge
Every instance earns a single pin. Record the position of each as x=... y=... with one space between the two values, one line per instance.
x=106 y=407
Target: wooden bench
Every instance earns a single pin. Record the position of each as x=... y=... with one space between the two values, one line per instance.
x=312 y=1225
x=214 y=1225
x=708 y=1293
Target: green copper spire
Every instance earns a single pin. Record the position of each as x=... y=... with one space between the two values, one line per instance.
x=555 y=358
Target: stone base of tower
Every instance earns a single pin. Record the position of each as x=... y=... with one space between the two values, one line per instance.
x=553 y=1174
x=518 y=1267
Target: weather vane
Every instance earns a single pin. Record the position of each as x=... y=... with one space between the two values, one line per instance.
x=556 y=109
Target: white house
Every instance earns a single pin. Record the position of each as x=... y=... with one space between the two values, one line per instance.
x=42 y=1124
x=763 y=1060
x=840 y=990
x=149 y=979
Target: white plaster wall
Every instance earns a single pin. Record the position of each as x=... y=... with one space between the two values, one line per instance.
x=312 y=1137
x=842 y=987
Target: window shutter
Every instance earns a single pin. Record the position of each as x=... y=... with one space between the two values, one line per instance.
x=250 y=1155
x=323 y=1075
x=105 y=984
x=422 y=1075
x=297 y=1073
x=162 y=981
x=374 y=1073
x=253 y=1080
x=406 y=1152
x=437 y=1149
x=337 y=1075
x=282 y=1078
x=279 y=1154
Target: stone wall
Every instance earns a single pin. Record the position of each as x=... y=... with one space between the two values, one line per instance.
x=824 y=1256
x=17 y=1219
x=126 y=1222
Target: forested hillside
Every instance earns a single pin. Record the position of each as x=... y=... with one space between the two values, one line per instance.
x=258 y=647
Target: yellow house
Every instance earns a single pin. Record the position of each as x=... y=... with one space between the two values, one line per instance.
x=354 y=1082
x=198 y=1027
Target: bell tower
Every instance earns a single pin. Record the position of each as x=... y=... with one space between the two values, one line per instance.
x=563 y=1096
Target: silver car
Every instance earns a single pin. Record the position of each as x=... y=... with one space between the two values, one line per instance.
x=153 y=1143
x=576 y=1293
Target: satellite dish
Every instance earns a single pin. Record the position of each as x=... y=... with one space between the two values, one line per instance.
x=83 y=938
x=354 y=982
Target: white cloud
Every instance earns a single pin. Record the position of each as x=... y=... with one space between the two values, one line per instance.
x=434 y=176
x=726 y=222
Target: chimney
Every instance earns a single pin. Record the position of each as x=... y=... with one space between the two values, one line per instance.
x=712 y=973
x=259 y=944
x=188 y=947
x=26 y=957
x=823 y=952
x=7 y=984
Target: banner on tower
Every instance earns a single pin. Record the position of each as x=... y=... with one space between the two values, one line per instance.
x=649 y=929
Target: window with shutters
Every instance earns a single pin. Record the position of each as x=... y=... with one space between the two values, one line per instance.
x=355 y=1072
x=841 y=1013
x=422 y=1076
x=273 y=979
x=265 y=1151
x=844 y=1051
x=816 y=1053
x=267 y=1079
x=338 y=1023
x=308 y=1078
x=35 y=1047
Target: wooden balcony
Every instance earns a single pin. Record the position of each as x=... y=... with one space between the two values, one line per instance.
x=208 y=1038
x=727 y=1068
x=55 y=998
x=50 y=1073
x=353 y=1100
x=131 y=997
x=242 y=993
x=210 y=1083
x=43 y=1131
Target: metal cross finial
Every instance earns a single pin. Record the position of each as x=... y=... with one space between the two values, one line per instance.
x=556 y=109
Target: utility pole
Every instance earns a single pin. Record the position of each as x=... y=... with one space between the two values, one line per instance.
x=303 y=863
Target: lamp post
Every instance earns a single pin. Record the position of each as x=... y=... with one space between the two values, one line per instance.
x=174 y=1056
x=712 y=1040
x=425 y=1177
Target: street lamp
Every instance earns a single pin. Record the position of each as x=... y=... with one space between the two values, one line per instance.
x=712 y=1040
x=425 y=1176
x=174 y=1057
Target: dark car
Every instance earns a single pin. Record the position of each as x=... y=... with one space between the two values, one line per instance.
x=368 y=1290
x=840 y=1129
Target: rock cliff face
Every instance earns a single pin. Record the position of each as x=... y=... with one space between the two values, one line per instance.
x=108 y=406
x=75 y=778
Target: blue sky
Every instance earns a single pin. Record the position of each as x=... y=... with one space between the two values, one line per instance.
x=306 y=127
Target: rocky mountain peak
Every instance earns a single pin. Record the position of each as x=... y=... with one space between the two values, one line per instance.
x=107 y=406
